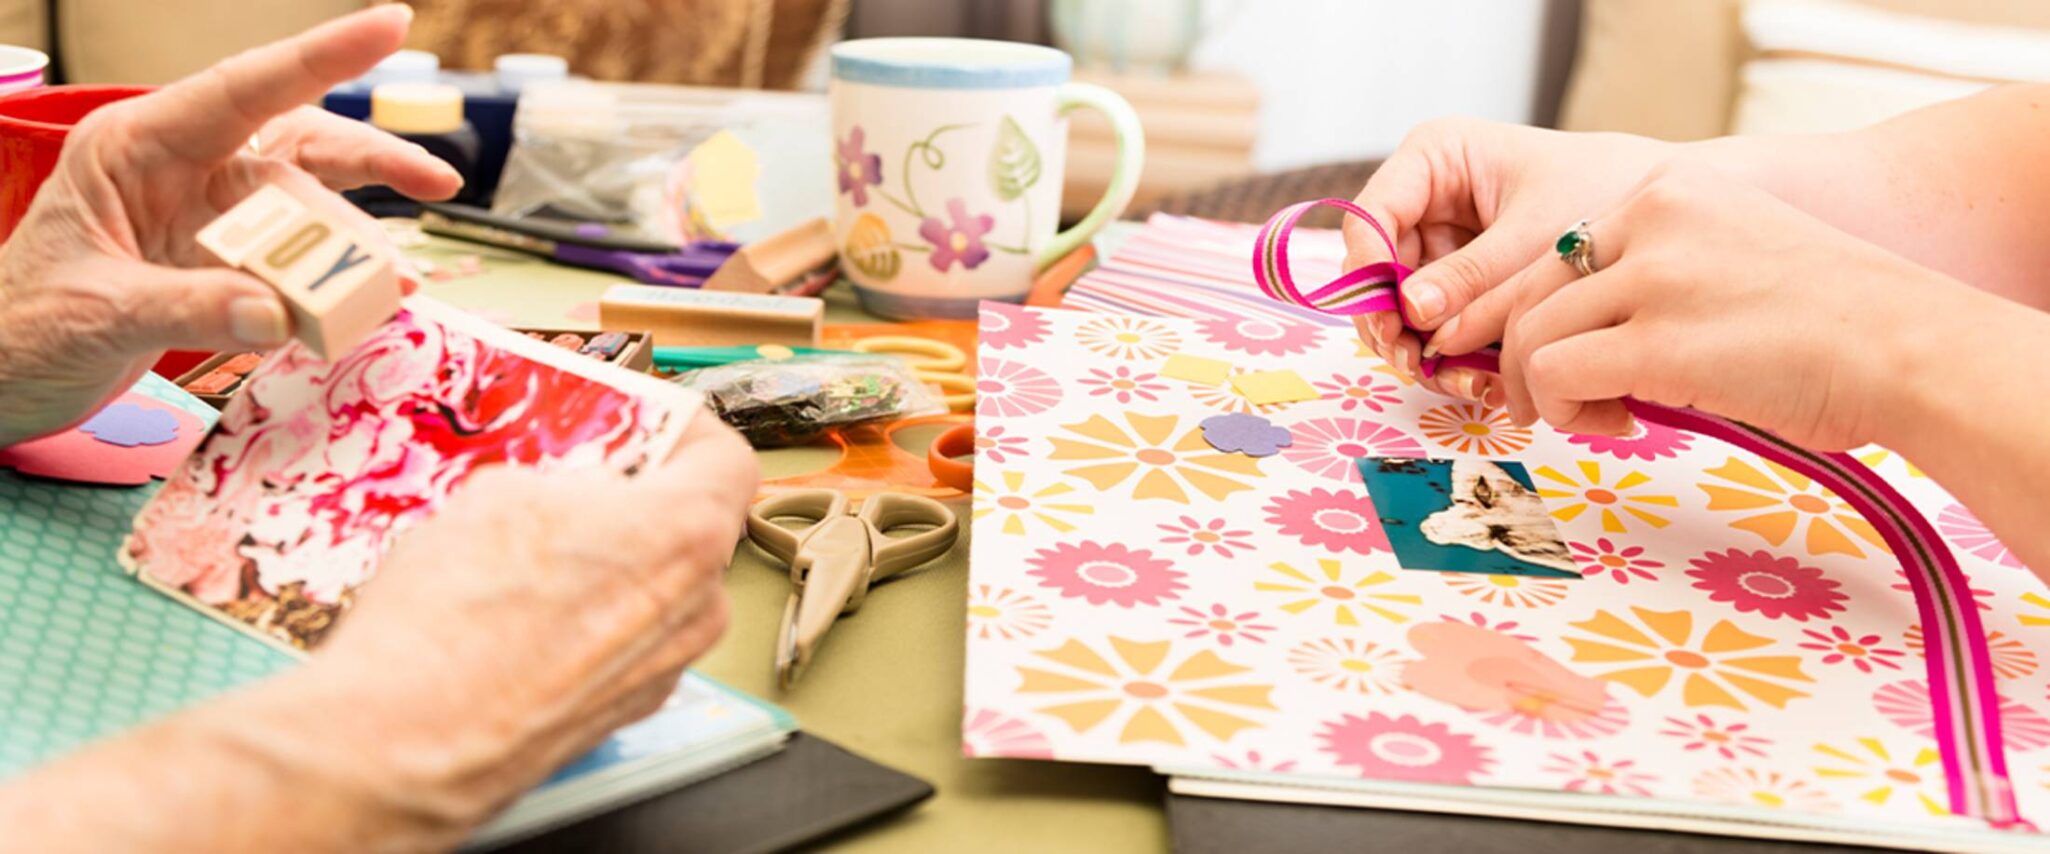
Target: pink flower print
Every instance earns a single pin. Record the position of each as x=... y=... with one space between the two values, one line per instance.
x=1982 y=598
x=1252 y=761
x=1965 y=531
x=1101 y=573
x=1647 y=441
x=1002 y=326
x=1479 y=620
x=1123 y=384
x=987 y=732
x=959 y=243
x=997 y=445
x=859 y=170
x=1222 y=625
x=1770 y=586
x=1014 y=388
x=1861 y=651
x=1329 y=519
x=1619 y=564
x=1205 y=536
x=1259 y=337
x=1907 y=705
x=1403 y=748
x=1588 y=772
x=1327 y=447
x=1727 y=740
x=1364 y=391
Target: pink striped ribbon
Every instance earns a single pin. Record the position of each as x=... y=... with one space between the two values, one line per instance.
x=1963 y=696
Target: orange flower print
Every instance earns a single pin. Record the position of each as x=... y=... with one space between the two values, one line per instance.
x=1000 y=613
x=1129 y=338
x=1167 y=460
x=1719 y=667
x=1349 y=594
x=1471 y=428
x=1755 y=788
x=2038 y=611
x=1512 y=591
x=1348 y=665
x=1022 y=508
x=1776 y=503
x=1879 y=774
x=1616 y=496
x=1146 y=691
x=2011 y=658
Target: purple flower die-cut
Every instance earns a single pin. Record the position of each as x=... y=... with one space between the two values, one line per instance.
x=129 y=426
x=1244 y=433
x=859 y=170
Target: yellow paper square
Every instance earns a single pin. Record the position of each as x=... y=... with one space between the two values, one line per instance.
x=1195 y=369
x=722 y=182
x=1273 y=387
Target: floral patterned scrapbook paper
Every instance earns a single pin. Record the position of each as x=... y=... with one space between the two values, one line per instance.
x=1738 y=636
x=313 y=470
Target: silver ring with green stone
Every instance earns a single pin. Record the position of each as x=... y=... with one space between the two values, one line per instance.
x=1576 y=247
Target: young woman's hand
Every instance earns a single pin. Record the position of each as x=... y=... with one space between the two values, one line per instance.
x=1471 y=202
x=1714 y=295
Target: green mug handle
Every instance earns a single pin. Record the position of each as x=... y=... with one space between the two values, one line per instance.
x=1124 y=179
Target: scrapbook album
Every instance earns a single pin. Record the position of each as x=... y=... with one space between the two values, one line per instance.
x=1739 y=652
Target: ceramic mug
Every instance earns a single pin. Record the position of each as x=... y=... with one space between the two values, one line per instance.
x=21 y=68
x=949 y=155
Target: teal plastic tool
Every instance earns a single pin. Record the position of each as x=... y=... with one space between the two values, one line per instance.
x=686 y=358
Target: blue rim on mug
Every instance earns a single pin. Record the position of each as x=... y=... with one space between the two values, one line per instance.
x=944 y=63
x=902 y=307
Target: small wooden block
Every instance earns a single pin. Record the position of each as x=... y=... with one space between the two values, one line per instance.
x=1196 y=369
x=336 y=287
x=1273 y=387
x=234 y=235
x=776 y=260
x=696 y=318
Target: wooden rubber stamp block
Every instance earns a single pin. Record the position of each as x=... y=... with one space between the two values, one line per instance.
x=696 y=318
x=336 y=287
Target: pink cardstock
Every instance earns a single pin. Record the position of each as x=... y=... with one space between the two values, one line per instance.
x=131 y=441
x=315 y=467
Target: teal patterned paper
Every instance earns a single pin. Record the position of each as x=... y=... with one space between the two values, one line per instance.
x=85 y=649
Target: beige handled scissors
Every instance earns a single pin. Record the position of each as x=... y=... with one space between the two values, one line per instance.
x=837 y=553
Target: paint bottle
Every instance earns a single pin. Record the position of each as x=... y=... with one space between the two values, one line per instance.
x=430 y=115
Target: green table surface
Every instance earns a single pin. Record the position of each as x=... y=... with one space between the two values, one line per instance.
x=886 y=683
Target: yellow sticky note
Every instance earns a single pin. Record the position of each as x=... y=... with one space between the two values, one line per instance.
x=1195 y=369
x=723 y=171
x=1273 y=387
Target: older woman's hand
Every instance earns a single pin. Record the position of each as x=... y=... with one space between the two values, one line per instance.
x=102 y=275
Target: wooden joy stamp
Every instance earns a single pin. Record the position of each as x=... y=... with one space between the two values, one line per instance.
x=336 y=288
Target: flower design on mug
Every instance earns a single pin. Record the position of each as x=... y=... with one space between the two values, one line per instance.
x=958 y=242
x=859 y=169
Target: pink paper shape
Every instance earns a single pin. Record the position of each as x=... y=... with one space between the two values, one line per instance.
x=128 y=443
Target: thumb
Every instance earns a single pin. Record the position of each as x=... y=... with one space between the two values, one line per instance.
x=204 y=308
x=1440 y=289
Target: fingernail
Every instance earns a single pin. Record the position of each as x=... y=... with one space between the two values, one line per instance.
x=1443 y=333
x=408 y=13
x=258 y=322
x=1425 y=301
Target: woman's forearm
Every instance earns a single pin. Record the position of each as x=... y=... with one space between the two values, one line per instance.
x=1962 y=187
x=1973 y=411
x=291 y=765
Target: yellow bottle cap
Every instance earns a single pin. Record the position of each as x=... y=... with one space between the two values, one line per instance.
x=416 y=107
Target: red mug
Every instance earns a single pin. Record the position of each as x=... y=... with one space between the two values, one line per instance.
x=33 y=124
